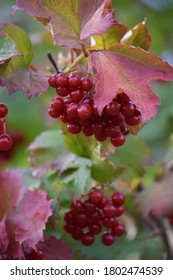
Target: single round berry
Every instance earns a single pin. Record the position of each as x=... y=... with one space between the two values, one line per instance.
x=109 y=210
x=62 y=91
x=77 y=234
x=3 y=110
x=61 y=80
x=100 y=136
x=77 y=206
x=77 y=95
x=74 y=127
x=69 y=217
x=122 y=98
x=89 y=206
x=118 y=198
x=69 y=228
x=74 y=82
x=112 y=108
x=57 y=103
x=81 y=220
x=108 y=239
x=87 y=239
x=109 y=222
x=54 y=113
x=128 y=109
x=119 y=229
x=87 y=131
x=5 y=142
x=72 y=110
x=64 y=118
x=95 y=217
x=52 y=81
x=118 y=139
x=84 y=111
x=96 y=196
x=95 y=228
x=119 y=210
x=86 y=84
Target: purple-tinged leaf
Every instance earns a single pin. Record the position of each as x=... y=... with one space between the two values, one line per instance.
x=70 y=22
x=131 y=70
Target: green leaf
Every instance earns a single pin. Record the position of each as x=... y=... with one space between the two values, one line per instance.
x=79 y=144
x=49 y=152
x=103 y=170
x=109 y=38
x=138 y=36
x=133 y=156
x=8 y=50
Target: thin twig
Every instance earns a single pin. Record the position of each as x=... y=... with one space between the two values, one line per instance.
x=84 y=50
x=164 y=236
x=49 y=55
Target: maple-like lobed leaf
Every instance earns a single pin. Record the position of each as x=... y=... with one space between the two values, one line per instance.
x=25 y=213
x=132 y=70
x=138 y=36
x=71 y=22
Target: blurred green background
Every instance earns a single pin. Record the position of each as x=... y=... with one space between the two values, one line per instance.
x=30 y=117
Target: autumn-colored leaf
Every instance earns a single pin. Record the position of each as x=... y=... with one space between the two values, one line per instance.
x=156 y=199
x=130 y=69
x=16 y=73
x=138 y=36
x=71 y=22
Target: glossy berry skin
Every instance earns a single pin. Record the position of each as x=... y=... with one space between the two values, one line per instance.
x=52 y=81
x=74 y=82
x=58 y=104
x=112 y=108
x=86 y=84
x=61 y=80
x=3 y=110
x=74 y=127
x=95 y=228
x=81 y=220
x=118 y=139
x=54 y=113
x=119 y=229
x=62 y=91
x=108 y=239
x=77 y=95
x=5 y=142
x=109 y=210
x=109 y=222
x=87 y=239
x=77 y=206
x=84 y=111
x=96 y=196
x=118 y=199
x=128 y=109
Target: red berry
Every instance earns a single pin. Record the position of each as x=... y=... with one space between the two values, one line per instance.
x=72 y=110
x=77 y=95
x=118 y=139
x=74 y=82
x=111 y=130
x=74 y=127
x=119 y=229
x=86 y=84
x=119 y=210
x=87 y=239
x=81 y=220
x=118 y=119
x=95 y=217
x=89 y=206
x=1 y=126
x=69 y=217
x=109 y=222
x=100 y=136
x=77 y=206
x=95 y=228
x=84 y=111
x=108 y=239
x=109 y=210
x=61 y=80
x=5 y=142
x=128 y=109
x=69 y=228
x=3 y=110
x=118 y=199
x=112 y=108
x=53 y=113
x=62 y=91
x=77 y=234
x=52 y=81
x=57 y=103
x=122 y=98
x=96 y=196
x=64 y=118
x=87 y=131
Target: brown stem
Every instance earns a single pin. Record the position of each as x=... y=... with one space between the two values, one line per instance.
x=84 y=50
x=49 y=55
x=164 y=236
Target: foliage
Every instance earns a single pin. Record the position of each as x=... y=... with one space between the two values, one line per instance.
x=56 y=167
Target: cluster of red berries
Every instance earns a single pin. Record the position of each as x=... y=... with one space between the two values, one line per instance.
x=5 y=139
x=75 y=107
x=86 y=219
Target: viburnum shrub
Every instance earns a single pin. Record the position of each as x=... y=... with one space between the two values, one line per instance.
x=86 y=180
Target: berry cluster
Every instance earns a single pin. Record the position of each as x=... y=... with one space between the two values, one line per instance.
x=86 y=219
x=75 y=107
x=5 y=139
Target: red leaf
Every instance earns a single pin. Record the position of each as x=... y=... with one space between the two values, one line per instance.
x=130 y=69
x=70 y=22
